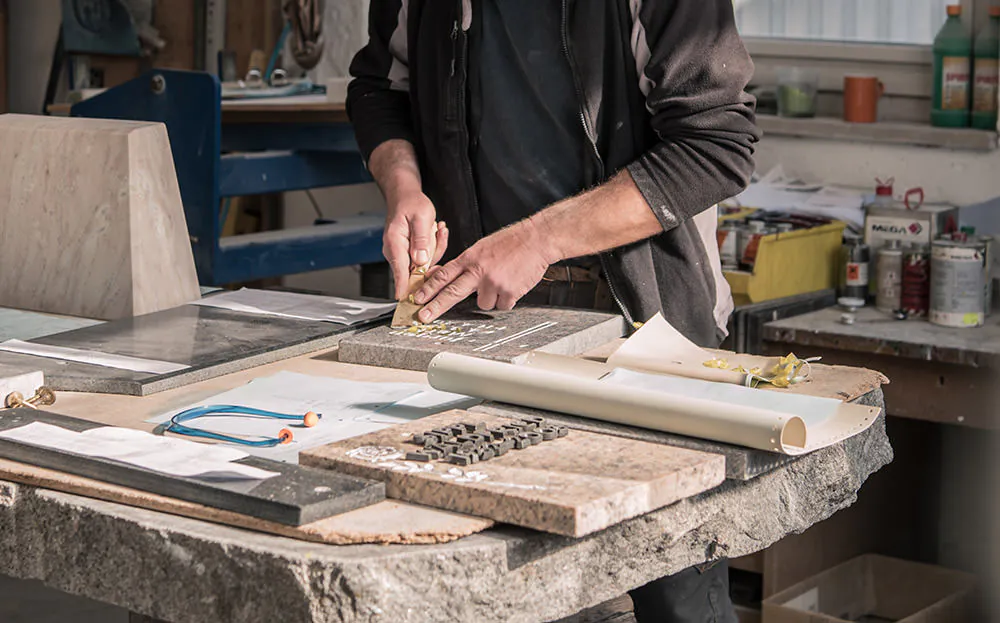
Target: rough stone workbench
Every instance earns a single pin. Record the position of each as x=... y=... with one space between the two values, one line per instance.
x=184 y=570
x=940 y=374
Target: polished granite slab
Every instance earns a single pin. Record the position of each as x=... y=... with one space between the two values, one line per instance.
x=213 y=342
x=298 y=495
x=496 y=335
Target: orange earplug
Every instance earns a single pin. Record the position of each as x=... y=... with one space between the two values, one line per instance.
x=285 y=435
x=310 y=419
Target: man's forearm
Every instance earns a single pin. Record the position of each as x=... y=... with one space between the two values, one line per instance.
x=608 y=216
x=394 y=166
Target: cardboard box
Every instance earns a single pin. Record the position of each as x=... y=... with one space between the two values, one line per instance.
x=875 y=588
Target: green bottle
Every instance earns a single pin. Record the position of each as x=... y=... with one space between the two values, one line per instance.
x=986 y=74
x=952 y=70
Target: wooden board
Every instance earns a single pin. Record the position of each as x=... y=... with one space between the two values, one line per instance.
x=91 y=213
x=383 y=523
x=574 y=485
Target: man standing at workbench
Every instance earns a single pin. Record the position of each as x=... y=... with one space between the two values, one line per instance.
x=563 y=153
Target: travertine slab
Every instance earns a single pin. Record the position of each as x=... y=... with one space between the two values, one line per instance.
x=574 y=485
x=91 y=217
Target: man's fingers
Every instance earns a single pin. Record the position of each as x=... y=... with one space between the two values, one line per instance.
x=487 y=298
x=395 y=248
x=452 y=294
x=437 y=279
x=422 y=239
x=506 y=302
x=442 y=243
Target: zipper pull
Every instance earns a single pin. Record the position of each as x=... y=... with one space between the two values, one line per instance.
x=454 y=52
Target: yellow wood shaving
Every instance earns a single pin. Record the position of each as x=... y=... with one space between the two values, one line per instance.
x=721 y=364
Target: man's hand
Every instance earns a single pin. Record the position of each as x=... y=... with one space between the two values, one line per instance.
x=502 y=268
x=412 y=238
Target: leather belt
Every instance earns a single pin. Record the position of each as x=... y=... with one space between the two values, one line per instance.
x=572 y=274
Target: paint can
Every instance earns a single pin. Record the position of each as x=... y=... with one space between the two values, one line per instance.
x=749 y=241
x=784 y=228
x=959 y=276
x=915 y=292
x=889 y=276
x=990 y=250
x=854 y=259
x=728 y=236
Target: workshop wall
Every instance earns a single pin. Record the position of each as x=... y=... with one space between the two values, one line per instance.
x=345 y=27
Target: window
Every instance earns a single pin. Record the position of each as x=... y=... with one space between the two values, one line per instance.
x=913 y=22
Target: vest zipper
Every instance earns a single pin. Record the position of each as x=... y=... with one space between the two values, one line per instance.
x=458 y=61
x=588 y=131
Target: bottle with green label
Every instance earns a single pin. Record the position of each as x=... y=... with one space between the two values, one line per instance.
x=986 y=75
x=952 y=72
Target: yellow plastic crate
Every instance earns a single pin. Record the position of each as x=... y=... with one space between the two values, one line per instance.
x=791 y=263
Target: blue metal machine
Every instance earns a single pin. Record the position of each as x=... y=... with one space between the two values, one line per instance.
x=215 y=161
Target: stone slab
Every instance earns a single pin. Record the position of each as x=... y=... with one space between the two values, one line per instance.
x=298 y=495
x=213 y=342
x=91 y=214
x=19 y=324
x=573 y=485
x=189 y=571
x=384 y=522
x=490 y=335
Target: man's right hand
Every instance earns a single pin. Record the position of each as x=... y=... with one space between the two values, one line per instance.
x=412 y=238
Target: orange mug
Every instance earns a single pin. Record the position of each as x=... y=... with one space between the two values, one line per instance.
x=861 y=95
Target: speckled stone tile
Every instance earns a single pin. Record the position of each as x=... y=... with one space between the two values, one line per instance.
x=490 y=335
x=573 y=485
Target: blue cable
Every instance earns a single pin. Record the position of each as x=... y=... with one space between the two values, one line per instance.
x=176 y=424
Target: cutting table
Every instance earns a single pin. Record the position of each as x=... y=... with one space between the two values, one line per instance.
x=182 y=570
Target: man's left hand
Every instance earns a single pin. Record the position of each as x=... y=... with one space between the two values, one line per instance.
x=501 y=267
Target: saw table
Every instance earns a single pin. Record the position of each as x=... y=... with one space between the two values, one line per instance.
x=183 y=570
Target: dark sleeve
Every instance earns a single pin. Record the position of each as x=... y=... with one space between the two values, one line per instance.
x=694 y=69
x=378 y=99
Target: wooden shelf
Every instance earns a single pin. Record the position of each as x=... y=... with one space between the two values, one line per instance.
x=828 y=128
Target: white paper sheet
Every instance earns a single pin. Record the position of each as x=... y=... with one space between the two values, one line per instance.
x=348 y=409
x=121 y=362
x=779 y=192
x=297 y=305
x=658 y=347
x=176 y=457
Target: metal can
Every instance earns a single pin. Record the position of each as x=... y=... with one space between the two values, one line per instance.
x=784 y=228
x=889 y=276
x=749 y=240
x=959 y=276
x=728 y=236
x=990 y=250
x=854 y=259
x=915 y=292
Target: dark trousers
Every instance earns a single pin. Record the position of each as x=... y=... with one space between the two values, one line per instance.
x=697 y=594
